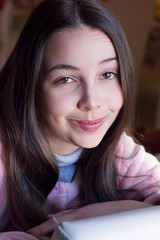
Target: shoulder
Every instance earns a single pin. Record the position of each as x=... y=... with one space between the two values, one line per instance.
x=131 y=158
x=126 y=146
x=137 y=170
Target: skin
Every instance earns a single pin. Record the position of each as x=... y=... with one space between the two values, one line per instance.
x=81 y=85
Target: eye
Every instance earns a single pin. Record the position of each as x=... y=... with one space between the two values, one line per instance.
x=109 y=75
x=64 y=80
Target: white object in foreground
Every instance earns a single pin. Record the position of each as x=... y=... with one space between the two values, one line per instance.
x=140 y=224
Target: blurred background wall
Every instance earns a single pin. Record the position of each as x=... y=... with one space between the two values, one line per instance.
x=141 y=22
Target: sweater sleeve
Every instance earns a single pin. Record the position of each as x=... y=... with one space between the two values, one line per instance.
x=138 y=172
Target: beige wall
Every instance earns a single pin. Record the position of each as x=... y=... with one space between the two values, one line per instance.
x=135 y=17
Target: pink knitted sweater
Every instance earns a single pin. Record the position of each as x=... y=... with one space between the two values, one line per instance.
x=130 y=160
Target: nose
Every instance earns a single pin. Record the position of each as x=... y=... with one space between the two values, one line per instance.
x=90 y=99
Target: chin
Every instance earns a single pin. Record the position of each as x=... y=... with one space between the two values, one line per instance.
x=90 y=144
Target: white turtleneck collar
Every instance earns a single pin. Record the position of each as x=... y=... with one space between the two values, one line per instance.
x=64 y=160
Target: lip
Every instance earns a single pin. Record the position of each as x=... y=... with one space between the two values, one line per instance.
x=89 y=126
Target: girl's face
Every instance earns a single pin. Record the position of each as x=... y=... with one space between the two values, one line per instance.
x=80 y=96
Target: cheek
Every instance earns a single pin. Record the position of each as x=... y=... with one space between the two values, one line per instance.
x=57 y=105
x=118 y=103
x=114 y=98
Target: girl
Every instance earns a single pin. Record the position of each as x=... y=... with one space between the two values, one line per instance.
x=66 y=96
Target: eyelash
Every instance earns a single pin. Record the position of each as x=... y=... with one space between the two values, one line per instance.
x=114 y=75
x=59 y=81
x=111 y=74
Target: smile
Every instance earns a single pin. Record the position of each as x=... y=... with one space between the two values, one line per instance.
x=89 y=126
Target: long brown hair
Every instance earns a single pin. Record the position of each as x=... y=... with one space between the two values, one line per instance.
x=31 y=171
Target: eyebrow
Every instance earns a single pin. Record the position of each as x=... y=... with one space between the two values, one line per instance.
x=70 y=67
x=109 y=60
x=63 y=66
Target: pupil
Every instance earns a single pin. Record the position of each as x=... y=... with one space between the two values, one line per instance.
x=64 y=80
x=106 y=75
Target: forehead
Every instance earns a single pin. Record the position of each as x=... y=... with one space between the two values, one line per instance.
x=79 y=43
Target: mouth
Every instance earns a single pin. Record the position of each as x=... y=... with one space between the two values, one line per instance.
x=89 y=126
